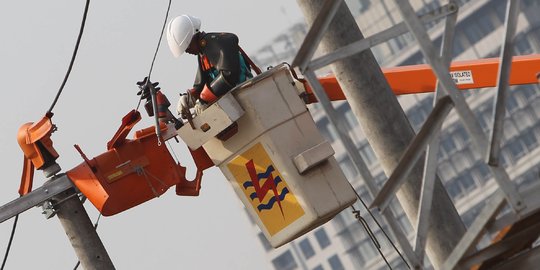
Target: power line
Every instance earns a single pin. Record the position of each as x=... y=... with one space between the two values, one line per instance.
x=10 y=241
x=72 y=58
x=13 y=229
x=157 y=49
x=374 y=239
x=160 y=37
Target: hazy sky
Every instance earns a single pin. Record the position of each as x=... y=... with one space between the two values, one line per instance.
x=206 y=232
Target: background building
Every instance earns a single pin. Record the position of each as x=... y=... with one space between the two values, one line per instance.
x=343 y=243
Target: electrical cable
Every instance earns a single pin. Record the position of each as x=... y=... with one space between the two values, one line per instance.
x=10 y=241
x=157 y=49
x=370 y=233
x=72 y=58
x=160 y=37
x=382 y=230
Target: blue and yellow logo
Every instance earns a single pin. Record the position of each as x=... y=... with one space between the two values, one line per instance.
x=265 y=187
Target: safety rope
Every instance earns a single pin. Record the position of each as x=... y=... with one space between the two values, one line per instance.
x=372 y=236
x=157 y=49
x=72 y=58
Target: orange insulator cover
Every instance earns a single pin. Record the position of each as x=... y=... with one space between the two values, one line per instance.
x=37 y=146
x=32 y=136
x=127 y=175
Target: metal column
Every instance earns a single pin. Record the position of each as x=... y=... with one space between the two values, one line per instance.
x=375 y=106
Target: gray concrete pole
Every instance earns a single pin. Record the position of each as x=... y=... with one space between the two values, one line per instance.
x=386 y=127
x=81 y=232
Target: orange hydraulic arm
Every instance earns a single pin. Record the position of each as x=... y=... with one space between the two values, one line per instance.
x=467 y=74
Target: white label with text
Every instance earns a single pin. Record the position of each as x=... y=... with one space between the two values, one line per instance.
x=462 y=77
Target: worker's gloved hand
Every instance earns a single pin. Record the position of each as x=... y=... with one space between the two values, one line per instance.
x=199 y=107
x=144 y=88
x=186 y=102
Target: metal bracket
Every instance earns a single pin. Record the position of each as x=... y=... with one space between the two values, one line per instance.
x=36 y=197
x=48 y=209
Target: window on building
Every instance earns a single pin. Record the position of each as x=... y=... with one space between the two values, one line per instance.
x=511 y=104
x=522 y=47
x=351 y=119
x=529 y=140
x=367 y=154
x=509 y=130
x=501 y=10
x=348 y=168
x=466 y=181
x=362 y=192
x=364 y=5
x=460 y=43
x=480 y=172
x=461 y=137
x=446 y=171
x=536 y=108
x=322 y=238
x=380 y=179
x=285 y=261
x=306 y=248
x=473 y=32
x=326 y=129
x=335 y=263
x=529 y=178
x=461 y=161
x=453 y=188
x=448 y=145
x=523 y=120
x=405 y=223
x=469 y=216
x=515 y=149
x=416 y=117
x=264 y=242
x=332 y=132
x=526 y=92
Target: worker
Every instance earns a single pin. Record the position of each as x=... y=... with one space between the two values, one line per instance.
x=222 y=64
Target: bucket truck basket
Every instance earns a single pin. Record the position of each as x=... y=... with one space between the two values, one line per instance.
x=279 y=165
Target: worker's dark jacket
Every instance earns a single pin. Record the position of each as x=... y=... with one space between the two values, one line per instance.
x=221 y=65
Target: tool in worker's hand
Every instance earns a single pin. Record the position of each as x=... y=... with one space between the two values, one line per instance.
x=187 y=101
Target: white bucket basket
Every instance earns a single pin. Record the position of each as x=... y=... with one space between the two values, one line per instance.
x=278 y=163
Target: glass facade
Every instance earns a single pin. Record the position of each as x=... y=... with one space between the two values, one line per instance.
x=307 y=249
x=285 y=261
x=322 y=238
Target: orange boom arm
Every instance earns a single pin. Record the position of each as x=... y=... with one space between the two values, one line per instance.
x=467 y=75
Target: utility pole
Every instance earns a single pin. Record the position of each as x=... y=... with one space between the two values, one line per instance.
x=386 y=127
x=81 y=232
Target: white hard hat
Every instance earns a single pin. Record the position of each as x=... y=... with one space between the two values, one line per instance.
x=180 y=31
